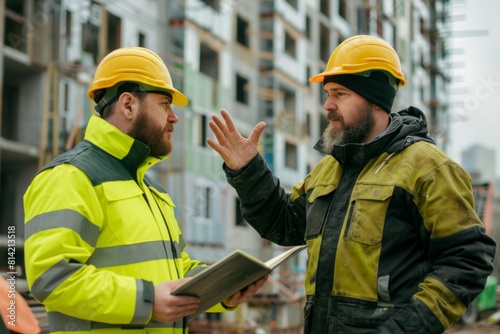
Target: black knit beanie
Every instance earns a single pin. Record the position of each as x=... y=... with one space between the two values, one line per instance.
x=374 y=87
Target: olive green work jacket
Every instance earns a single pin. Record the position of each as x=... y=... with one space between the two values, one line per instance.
x=394 y=242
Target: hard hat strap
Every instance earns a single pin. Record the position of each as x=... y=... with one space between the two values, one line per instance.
x=112 y=94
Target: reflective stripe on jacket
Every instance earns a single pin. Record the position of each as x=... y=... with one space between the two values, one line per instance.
x=99 y=234
x=394 y=242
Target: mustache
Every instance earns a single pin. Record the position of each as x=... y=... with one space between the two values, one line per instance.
x=332 y=116
x=169 y=127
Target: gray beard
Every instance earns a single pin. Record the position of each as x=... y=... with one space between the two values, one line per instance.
x=353 y=134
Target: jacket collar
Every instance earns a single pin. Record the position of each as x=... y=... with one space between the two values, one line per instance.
x=118 y=144
x=407 y=127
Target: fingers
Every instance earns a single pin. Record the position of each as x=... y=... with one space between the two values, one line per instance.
x=257 y=132
x=260 y=283
x=218 y=126
x=167 y=307
x=225 y=128
x=235 y=150
x=181 y=311
x=174 y=308
x=228 y=121
x=254 y=287
x=245 y=294
x=218 y=135
x=221 y=131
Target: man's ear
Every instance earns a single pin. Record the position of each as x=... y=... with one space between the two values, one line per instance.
x=127 y=104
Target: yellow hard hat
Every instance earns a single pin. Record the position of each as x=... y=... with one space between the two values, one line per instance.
x=135 y=65
x=362 y=53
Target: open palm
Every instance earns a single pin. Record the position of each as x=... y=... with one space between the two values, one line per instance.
x=235 y=150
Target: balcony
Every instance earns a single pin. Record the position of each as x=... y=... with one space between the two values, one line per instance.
x=204 y=92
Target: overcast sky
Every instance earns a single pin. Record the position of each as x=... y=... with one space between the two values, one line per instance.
x=475 y=88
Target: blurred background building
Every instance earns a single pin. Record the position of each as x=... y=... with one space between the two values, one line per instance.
x=252 y=58
x=480 y=162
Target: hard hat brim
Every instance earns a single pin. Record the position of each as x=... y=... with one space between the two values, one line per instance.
x=321 y=76
x=179 y=99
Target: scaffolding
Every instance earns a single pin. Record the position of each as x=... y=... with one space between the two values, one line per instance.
x=483 y=200
x=50 y=119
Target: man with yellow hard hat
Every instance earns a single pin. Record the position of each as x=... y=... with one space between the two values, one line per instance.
x=103 y=248
x=394 y=243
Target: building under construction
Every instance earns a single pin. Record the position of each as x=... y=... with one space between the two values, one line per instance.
x=250 y=57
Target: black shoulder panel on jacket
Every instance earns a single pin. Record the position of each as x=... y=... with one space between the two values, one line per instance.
x=98 y=165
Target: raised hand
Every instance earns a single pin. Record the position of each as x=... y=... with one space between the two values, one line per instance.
x=235 y=150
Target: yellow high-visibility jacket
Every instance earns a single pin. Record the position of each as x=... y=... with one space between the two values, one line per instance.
x=100 y=234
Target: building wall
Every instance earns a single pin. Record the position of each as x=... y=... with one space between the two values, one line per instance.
x=479 y=161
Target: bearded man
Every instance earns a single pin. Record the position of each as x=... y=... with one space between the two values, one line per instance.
x=103 y=248
x=394 y=243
